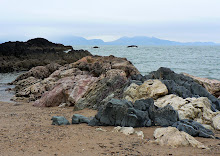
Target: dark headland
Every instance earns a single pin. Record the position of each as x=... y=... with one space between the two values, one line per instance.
x=18 y=56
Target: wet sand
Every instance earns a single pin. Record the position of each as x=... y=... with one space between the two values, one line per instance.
x=27 y=130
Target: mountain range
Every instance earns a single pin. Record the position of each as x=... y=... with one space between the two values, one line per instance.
x=137 y=40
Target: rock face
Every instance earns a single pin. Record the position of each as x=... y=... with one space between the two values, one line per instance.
x=193 y=128
x=198 y=109
x=213 y=86
x=180 y=85
x=89 y=82
x=18 y=56
x=149 y=89
x=171 y=136
x=66 y=90
x=123 y=113
x=98 y=65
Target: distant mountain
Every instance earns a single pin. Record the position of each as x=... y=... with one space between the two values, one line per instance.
x=137 y=40
x=75 y=40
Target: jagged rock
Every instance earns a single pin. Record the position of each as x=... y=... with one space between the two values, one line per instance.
x=171 y=136
x=120 y=113
x=76 y=119
x=144 y=104
x=59 y=120
x=123 y=113
x=98 y=92
x=213 y=86
x=193 y=128
x=75 y=85
x=21 y=56
x=101 y=79
x=165 y=116
x=39 y=72
x=98 y=65
x=198 y=109
x=181 y=85
x=149 y=89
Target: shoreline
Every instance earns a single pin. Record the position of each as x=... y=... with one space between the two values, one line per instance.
x=27 y=130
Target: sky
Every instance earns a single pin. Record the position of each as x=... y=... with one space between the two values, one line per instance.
x=177 y=20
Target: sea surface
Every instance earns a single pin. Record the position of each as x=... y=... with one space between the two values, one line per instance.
x=201 y=61
x=5 y=78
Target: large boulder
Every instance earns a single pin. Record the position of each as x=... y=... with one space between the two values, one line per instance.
x=149 y=89
x=213 y=86
x=141 y=114
x=193 y=128
x=171 y=136
x=104 y=89
x=165 y=116
x=120 y=113
x=181 y=85
x=39 y=72
x=198 y=109
x=98 y=65
x=66 y=90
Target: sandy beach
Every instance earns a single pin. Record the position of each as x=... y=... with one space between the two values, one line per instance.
x=27 y=130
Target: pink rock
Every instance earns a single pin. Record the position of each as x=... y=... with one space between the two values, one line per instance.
x=76 y=86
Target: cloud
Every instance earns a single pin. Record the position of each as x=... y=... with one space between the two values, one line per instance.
x=171 y=19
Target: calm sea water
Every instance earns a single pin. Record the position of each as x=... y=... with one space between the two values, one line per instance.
x=4 y=79
x=201 y=61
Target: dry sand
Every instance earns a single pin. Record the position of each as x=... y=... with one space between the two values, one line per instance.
x=27 y=130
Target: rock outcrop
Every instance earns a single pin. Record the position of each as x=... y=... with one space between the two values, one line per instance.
x=213 y=86
x=193 y=128
x=198 y=109
x=89 y=82
x=149 y=89
x=180 y=85
x=22 y=56
x=123 y=113
x=171 y=136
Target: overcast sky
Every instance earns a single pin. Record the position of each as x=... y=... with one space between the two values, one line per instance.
x=178 y=20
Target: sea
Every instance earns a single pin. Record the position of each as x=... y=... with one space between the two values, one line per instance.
x=201 y=61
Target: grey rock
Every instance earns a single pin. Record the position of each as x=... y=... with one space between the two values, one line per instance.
x=180 y=85
x=193 y=128
x=120 y=113
x=77 y=118
x=59 y=120
x=165 y=116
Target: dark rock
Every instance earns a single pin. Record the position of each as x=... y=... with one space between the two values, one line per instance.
x=131 y=46
x=95 y=47
x=181 y=85
x=77 y=118
x=193 y=128
x=59 y=120
x=96 y=95
x=21 y=56
x=165 y=116
x=143 y=104
x=120 y=113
